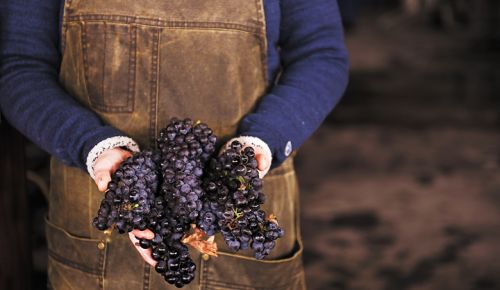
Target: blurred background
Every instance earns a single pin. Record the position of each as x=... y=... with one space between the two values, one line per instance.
x=401 y=184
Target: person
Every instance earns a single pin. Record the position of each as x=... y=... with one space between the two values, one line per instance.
x=93 y=81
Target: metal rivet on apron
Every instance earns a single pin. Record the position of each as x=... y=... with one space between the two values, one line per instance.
x=205 y=257
x=108 y=235
x=101 y=245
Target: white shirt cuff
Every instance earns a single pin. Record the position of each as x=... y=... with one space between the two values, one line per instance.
x=106 y=144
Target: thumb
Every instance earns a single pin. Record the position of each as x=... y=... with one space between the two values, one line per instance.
x=262 y=162
x=102 y=179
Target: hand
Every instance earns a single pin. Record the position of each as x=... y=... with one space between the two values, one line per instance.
x=145 y=253
x=263 y=161
x=106 y=164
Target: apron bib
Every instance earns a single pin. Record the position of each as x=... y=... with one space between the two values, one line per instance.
x=137 y=64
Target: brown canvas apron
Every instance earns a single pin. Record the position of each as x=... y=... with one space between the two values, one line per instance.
x=137 y=64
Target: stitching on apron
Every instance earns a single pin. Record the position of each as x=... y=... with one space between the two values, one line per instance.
x=201 y=273
x=154 y=86
x=63 y=28
x=247 y=287
x=102 y=261
x=83 y=56
x=264 y=262
x=298 y=232
x=146 y=276
x=257 y=29
x=84 y=44
x=131 y=67
x=103 y=68
x=203 y=283
x=72 y=264
x=262 y=38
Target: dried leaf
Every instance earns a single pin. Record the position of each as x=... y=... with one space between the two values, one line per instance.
x=272 y=218
x=197 y=240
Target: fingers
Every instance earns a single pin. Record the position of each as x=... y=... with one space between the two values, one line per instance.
x=146 y=234
x=145 y=253
x=263 y=164
x=102 y=178
x=106 y=164
x=122 y=155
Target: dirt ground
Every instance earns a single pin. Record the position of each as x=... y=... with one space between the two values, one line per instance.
x=401 y=185
x=401 y=209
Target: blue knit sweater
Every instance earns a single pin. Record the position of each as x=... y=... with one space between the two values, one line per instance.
x=305 y=39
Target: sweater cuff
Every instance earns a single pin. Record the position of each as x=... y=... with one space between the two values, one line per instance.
x=106 y=144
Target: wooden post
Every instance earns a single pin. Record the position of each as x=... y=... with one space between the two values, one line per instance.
x=15 y=242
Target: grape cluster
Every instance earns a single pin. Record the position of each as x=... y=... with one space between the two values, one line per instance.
x=233 y=200
x=174 y=262
x=169 y=189
x=185 y=147
x=187 y=139
x=131 y=193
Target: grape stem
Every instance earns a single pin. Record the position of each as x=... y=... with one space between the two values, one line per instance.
x=237 y=213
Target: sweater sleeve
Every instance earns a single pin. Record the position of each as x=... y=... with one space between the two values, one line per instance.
x=31 y=98
x=314 y=76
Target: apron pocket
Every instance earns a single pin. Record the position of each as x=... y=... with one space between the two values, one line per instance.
x=74 y=262
x=235 y=272
x=109 y=62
